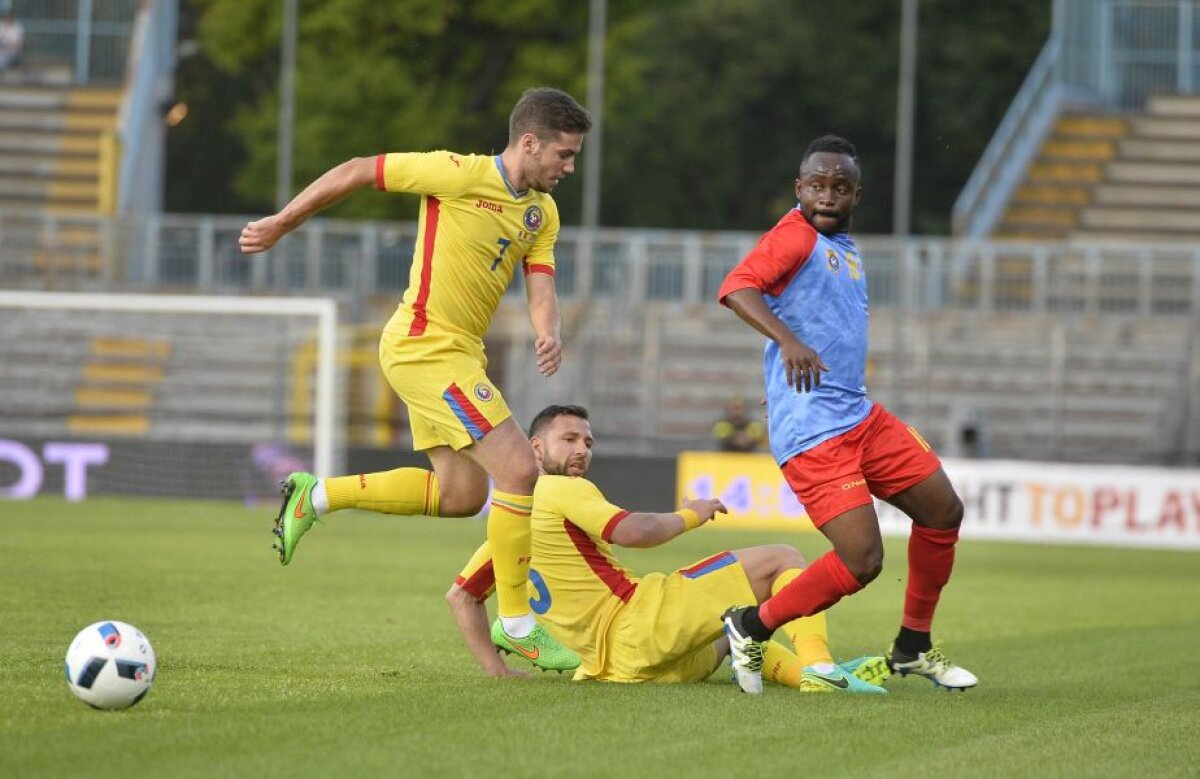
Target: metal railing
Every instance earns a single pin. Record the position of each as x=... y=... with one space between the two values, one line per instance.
x=1023 y=332
x=1122 y=51
x=361 y=262
x=1105 y=55
x=1012 y=148
x=149 y=86
x=88 y=41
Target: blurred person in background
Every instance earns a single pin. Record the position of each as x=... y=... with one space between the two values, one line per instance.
x=804 y=287
x=736 y=431
x=12 y=39
x=481 y=218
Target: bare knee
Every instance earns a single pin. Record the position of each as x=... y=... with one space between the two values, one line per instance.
x=519 y=477
x=786 y=557
x=947 y=516
x=462 y=498
x=461 y=505
x=866 y=564
x=952 y=516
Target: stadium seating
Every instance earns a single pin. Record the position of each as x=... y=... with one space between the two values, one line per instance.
x=173 y=383
x=1131 y=177
x=1086 y=389
x=57 y=152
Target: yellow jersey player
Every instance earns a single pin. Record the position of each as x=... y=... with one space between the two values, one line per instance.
x=658 y=627
x=481 y=218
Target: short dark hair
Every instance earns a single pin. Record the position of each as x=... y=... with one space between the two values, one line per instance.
x=830 y=143
x=546 y=112
x=551 y=413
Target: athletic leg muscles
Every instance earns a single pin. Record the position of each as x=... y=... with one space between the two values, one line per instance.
x=505 y=453
x=463 y=484
x=764 y=564
x=931 y=502
x=857 y=542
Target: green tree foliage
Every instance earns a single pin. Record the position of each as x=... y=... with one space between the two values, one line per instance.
x=708 y=104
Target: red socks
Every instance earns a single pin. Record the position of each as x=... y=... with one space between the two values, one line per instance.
x=822 y=584
x=828 y=580
x=930 y=560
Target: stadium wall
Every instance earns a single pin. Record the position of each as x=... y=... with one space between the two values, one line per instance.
x=1004 y=500
x=79 y=468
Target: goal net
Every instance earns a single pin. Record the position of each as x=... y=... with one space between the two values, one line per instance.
x=213 y=397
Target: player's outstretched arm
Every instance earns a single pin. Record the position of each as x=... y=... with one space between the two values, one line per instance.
x=802 y=365
x=331 y=187
x=544 y=316
x=644 y=530
x=471 y=615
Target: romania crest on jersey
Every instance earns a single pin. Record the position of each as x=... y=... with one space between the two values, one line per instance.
x=533 y=218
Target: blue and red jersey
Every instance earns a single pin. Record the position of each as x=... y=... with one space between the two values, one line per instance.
x=816 y=285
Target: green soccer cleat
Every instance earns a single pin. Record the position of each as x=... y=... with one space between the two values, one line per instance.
x=934 y=666
x=872 y=670
x=296 y=515
x=539 y=648
x=837 y=680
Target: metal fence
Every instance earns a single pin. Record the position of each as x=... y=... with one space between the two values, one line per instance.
x=88 y=40
x=1102 y=55
x=357 y=262
x=1122 y=51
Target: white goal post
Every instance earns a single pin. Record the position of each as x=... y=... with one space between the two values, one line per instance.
x=33 y=323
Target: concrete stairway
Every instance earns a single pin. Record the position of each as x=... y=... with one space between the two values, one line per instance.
x=51 y=142
x=1061 y=181
x=1151 y=190
x=1132 y=178
x=54 y=149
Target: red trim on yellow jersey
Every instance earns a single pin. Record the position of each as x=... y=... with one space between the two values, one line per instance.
x=538 y=268
x=480 y=583
x=614 y=578
x=419 y=322
x=606 y=534
x=380 y=183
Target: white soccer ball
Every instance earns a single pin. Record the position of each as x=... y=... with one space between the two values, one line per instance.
x=110 y=665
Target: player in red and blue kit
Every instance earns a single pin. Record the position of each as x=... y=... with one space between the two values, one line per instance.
x=803 y=287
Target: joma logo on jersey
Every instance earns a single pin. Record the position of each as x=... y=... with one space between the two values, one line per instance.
x=488 y=205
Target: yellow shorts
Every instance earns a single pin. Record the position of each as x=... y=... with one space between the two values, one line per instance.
x=443 y=381
x=665 y=633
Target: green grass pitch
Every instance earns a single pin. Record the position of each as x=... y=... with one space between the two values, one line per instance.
x=347 y=662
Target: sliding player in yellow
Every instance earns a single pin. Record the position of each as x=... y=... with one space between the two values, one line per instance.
x=659 y=627
x=481 y=217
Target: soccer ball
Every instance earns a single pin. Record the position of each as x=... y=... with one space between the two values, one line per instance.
x=110 y=665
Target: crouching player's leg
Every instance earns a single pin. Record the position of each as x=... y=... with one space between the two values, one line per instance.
x=811 y=667
x=670 y=630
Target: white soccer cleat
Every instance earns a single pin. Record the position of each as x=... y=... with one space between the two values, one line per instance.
x=934 y=666
x=745 y=654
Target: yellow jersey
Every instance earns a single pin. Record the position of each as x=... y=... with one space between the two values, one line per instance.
x=473 y=230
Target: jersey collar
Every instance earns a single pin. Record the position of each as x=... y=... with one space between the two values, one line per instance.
x=508 y=184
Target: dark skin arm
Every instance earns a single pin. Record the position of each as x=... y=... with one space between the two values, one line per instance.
x=802 y=366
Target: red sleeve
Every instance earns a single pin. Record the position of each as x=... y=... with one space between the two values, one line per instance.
x=537 y=268
x=779 y=255
x=606 y=534
x=379 y=183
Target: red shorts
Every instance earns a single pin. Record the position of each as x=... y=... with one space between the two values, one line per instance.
x=881 y=456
